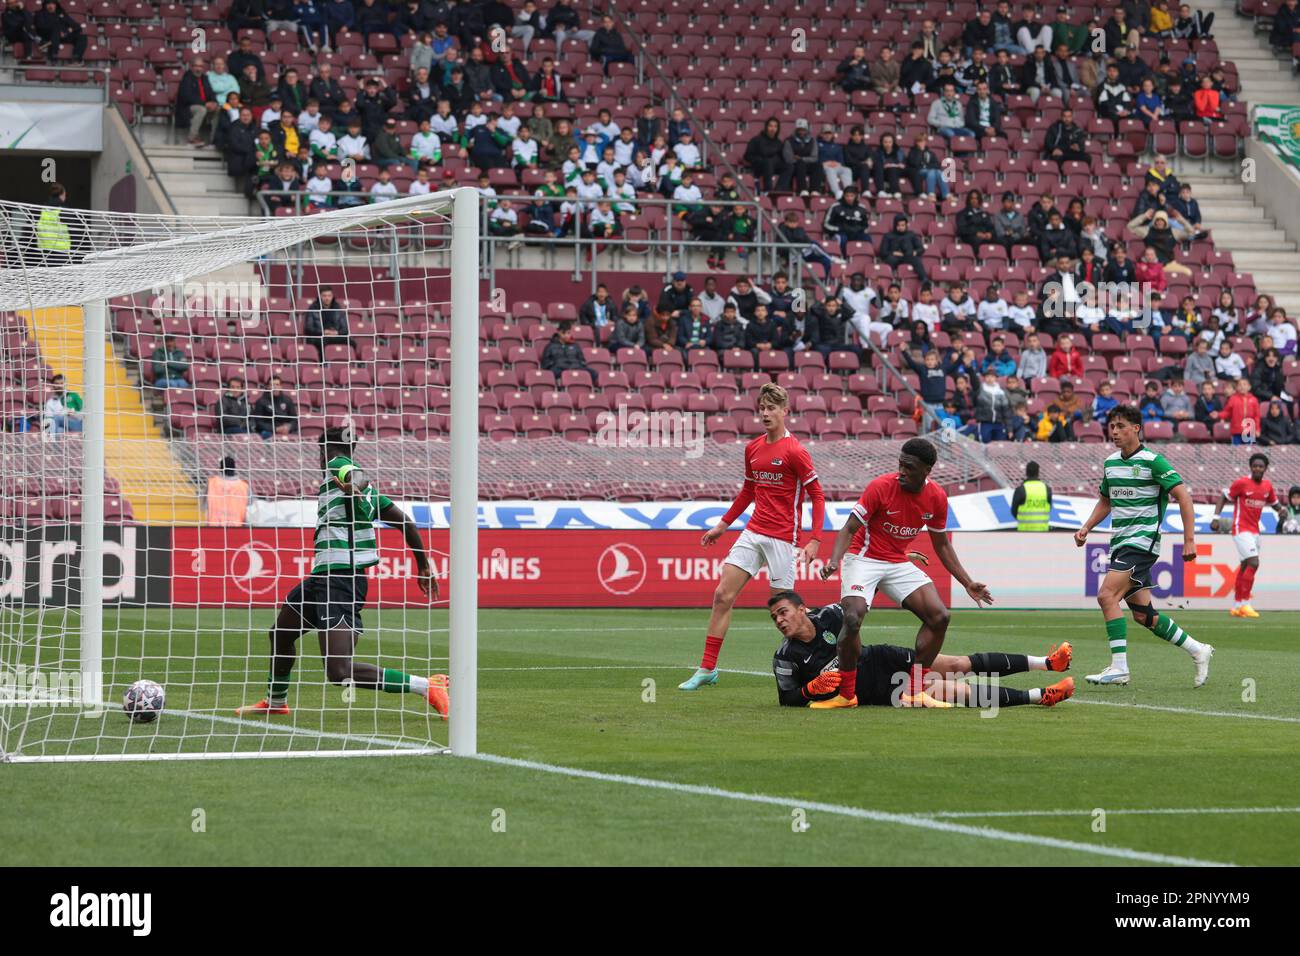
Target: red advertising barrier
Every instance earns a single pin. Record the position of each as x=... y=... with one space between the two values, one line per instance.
x=257 y=567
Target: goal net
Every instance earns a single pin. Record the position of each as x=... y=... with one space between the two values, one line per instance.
x=165 y=383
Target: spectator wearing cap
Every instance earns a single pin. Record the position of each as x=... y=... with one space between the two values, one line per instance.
x=228 y=497
x=847 y=220
x=675 y=299
x=1064 y=33
x=765 y=156
x=983 y=113
x=799 y=154
x=901 y=246
x=946 y=116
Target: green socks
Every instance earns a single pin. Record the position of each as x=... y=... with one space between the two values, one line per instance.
x=1167 y=630
x=277 y=690
x=1117 y=636
x=395 y=682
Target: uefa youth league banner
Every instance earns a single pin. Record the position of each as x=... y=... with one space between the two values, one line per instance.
x=257 y=567
x=981 y=511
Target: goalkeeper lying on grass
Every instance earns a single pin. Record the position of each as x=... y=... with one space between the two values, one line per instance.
x=806 y=668
x=330 y=599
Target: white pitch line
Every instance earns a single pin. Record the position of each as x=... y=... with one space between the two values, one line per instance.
x=1158 y=811
x=1188 y=710
x=746 y=673
x=876 y=816
x=291 y=730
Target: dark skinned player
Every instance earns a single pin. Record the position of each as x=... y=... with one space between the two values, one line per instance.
x=330 y=599
x=892 y=511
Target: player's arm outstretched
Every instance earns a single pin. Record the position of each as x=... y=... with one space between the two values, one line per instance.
x=397 y=518
x=947 y=554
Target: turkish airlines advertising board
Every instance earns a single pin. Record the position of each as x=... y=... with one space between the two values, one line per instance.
x=257 y=567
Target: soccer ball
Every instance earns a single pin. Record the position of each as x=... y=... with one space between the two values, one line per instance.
x=143 y=701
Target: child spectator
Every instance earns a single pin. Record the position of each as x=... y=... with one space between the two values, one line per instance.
x=1103 y=403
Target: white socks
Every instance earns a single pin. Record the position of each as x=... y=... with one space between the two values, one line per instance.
x=420 y=685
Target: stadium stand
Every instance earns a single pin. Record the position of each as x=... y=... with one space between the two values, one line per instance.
x=720 y=72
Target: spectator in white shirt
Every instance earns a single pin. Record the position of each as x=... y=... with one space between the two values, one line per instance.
x=309 y=119
x=622 y=193
x=1282 y=331
x=710 y=300
x=1033 y=32
x=589 y=190
x=688 y=154
x=324 y=144
x=1228 y=364
x=383 y=190
x=603 y=220
x=353 y=145
x=524 y=148
x=508 y=122
x=604 y=127
x=443 y=123
x=992 y=312
x=426 y=146
x=1021 y=312
x=625 y=147
x=421 y=185
x=925 y=310
x=319 y=187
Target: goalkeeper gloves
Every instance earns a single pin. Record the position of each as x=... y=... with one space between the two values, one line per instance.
x=825 y=683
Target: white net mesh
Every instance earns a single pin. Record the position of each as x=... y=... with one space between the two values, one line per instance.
x=233 y=345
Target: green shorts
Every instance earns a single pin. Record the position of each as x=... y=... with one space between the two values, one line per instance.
x=1137 y=563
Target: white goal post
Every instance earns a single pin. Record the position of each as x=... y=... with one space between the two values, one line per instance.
x=91 y=301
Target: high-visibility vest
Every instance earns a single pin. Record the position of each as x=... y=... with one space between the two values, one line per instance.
x=1033 y=514
x=51 y=234
x=227 y=501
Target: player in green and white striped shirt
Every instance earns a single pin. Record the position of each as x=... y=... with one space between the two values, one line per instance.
x=330 y=599
x=1136 y=486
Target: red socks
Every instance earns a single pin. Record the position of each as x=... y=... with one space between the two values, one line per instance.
x=1245 y=582
x=712 y=645
x=849 y=684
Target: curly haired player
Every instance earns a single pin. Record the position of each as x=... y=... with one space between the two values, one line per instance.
x=892 y=511
x=331 y=598
x=1248 y=496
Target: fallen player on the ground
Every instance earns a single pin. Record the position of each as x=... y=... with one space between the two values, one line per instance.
x=807 y=669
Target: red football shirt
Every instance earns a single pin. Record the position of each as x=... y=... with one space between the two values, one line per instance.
x=1248 y=498
x=892 y=518
x=1239 y=409
x=780 y=472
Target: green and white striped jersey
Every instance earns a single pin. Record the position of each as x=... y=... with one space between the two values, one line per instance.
x=336 y=550
x=1138 y=488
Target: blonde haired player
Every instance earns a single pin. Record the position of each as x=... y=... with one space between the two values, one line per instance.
x=779 y=478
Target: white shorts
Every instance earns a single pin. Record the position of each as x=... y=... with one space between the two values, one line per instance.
x=861 y=577
x=1247 y=544
x=753 y=552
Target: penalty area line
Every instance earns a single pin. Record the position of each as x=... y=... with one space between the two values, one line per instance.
x=861 y=813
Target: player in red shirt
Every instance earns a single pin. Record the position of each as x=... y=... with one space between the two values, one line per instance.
x=1248 y=497
x=887 y=518
x=779 y=477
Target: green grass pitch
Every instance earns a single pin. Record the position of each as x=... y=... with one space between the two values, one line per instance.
x=570 y=689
